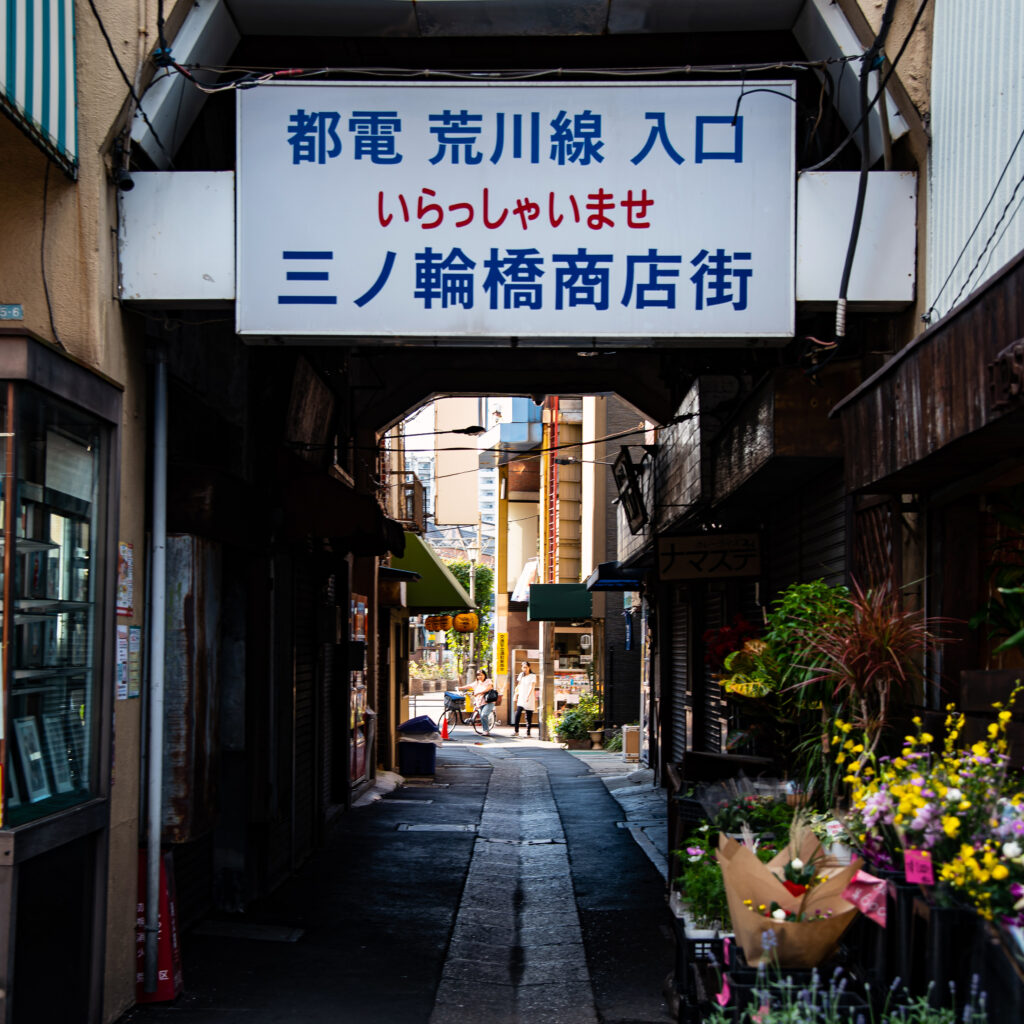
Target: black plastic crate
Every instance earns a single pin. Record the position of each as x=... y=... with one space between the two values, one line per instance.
x=698 y=969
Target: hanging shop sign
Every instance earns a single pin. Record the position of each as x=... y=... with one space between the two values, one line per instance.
x=438 y=623
x=527 y=210
x=709 y=556
x=465 y=622
x=631 y=495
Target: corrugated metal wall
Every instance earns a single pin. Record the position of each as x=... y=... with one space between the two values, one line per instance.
x=806 y=538
x=977 y=119
x=37 y=73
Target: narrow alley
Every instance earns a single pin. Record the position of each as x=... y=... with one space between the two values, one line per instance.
x=509 y=887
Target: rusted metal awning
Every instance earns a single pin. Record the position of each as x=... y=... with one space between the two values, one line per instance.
x=323 y=506
x=949 y=404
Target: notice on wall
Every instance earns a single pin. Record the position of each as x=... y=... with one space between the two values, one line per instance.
x=625 y=210
x=125 y=579
x=134 y=661
x=121 y=663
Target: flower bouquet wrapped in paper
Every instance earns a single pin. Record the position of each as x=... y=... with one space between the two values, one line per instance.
x=796 y=897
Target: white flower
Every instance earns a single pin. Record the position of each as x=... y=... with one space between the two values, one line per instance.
x=1012 y=849
x=779 y=915
x=796 y=864
x=954 y=795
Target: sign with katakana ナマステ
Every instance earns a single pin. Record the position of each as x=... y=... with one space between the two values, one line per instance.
x=709 y=556
x=516 y=210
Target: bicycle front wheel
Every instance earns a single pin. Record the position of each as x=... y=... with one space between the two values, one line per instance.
x=478 y=725
x=450 y=718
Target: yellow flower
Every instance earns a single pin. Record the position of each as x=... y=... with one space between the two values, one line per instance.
x=1000 y=871
x=844 y=726
x=916 y=719
x=993 y=731
x=927 y=737
x=1005 y=716
x=840 y=757
x=950 y=825
x=858 y=749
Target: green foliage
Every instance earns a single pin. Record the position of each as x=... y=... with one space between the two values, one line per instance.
x=483 y=593
x=800 y=611
x=573 y=725
x=700 y=879
x=576 y=722
x=615 y=743
x=759 y=813
x=770 y=675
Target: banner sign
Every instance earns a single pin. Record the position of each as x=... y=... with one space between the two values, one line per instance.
x=516 y=210
x=501 y=654
x=709 y=556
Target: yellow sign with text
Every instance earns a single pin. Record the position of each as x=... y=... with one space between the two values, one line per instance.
x=501 y=654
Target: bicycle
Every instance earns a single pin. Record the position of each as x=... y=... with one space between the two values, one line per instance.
x=455 y=713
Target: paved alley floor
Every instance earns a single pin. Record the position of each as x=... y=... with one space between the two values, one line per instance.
x=521 y=883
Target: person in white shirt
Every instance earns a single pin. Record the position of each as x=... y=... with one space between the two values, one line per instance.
x=526 y=698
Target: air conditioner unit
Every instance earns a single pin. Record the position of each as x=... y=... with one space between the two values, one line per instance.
x=631 y=743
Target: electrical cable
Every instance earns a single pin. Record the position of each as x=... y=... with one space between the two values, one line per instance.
x=536 y=453
x=988 y=241
x=866 y=67
x=926 y=316
x=128 y=82
x=42 y=259
x=885 y=81
x=253 y=76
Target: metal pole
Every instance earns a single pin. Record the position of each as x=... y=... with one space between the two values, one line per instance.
x=157 y=629
x=472 y=636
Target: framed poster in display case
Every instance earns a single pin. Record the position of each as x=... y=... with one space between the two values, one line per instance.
x=37 y=786
x=57 y=751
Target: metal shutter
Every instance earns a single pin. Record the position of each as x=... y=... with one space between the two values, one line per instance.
x=807 y=535
x=680 y=676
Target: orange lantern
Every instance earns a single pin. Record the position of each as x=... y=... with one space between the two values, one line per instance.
x=466 y=622
x=438 y=623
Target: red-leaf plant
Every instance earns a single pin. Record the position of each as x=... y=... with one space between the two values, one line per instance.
x=872 y=655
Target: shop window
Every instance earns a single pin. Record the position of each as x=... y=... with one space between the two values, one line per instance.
x=50 y=509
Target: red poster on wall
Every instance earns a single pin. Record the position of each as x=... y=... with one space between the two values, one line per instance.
x=169 y=982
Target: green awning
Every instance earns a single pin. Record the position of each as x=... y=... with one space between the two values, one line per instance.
x=437 y=590
x=559 y=601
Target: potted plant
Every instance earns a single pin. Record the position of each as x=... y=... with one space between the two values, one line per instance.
x=574 y=726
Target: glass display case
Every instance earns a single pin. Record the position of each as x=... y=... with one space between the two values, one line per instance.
x=50 y=503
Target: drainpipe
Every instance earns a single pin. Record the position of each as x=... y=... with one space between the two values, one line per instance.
x=157 y=628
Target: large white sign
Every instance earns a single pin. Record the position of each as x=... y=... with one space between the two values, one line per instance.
x=626 y=211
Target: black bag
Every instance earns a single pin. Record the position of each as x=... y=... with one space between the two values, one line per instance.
x=491 y=696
